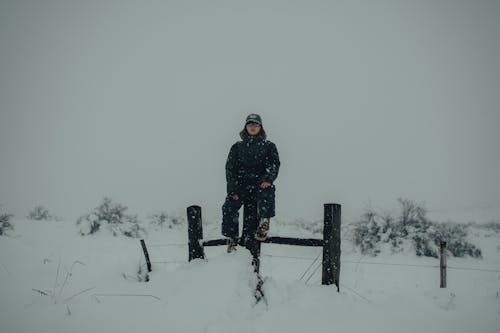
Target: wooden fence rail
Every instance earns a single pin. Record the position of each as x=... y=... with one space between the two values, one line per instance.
x=330 y=242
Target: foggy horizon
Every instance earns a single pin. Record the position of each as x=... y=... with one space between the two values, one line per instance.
x=141 y=101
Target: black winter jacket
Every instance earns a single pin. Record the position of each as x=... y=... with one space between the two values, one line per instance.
x=250 y=162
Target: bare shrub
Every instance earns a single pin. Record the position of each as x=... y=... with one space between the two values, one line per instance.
x=40 y=213
x=5 y=224
x=112 y=216
x=163 y=219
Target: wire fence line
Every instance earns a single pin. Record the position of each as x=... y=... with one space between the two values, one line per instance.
x=342 y=261
x=169 y=262
x=387 y=263
x=314 y=271
x=343 y=285
x=317 y=264
x=357 y=262
x=290 y=257
x=167 y=245
x=474 y=269
x=355 y=292
x=314 y=260
x=160 y=245
x=353 y=262
x=311 y=265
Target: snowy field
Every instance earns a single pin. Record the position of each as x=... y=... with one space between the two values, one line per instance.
x=54 y=280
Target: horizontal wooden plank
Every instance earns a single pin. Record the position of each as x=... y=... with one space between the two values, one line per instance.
x=295 y=241
x=215 y=242
x=274 y=240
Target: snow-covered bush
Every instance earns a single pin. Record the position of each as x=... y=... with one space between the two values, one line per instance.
x=112 y=216
x=40 y=213
x=5 y=224
x=493 y=226
x=411 y=226
x=367 y=233
x=315 y=227
x=455 y=235
x=164 y=220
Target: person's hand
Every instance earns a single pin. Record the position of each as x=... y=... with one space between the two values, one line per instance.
x=235 y=196
x=265 y=184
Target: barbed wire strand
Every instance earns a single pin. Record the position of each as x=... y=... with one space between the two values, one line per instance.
x=291 y=257
x=474 y=269
x=311 y=265
x=314 y=272
x=342 y=261
x=168 y=262
x=355 y=292
x=387 y=264
x=353 y=262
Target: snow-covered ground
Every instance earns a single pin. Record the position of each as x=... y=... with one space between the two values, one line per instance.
x=54 y=280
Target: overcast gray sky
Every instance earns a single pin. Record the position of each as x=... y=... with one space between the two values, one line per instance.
x=366 y=101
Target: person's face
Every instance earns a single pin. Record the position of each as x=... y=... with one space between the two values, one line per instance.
x=253 y=129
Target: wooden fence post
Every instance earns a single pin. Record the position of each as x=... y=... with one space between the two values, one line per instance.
x=442 y=264
x=146 y=255
x=331 y=245
x=195 y=233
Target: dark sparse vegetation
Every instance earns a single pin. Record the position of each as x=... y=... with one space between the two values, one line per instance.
x=40 y=213
x=411 y=227
x=5 y=224
x=164 y=220
x=493 y=226
x=112 y=216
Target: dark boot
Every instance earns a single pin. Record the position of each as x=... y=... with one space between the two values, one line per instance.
x=231 y=244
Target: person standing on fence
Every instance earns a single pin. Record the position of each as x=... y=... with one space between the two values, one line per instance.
x=252 y=166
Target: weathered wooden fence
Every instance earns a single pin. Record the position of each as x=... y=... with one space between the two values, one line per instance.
x=330 y=241
x=330 y=244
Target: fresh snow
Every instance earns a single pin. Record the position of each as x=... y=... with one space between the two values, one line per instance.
x=215 y=295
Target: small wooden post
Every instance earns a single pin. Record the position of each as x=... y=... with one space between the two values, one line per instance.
x=331 y=245
x=195 y=233
x=146 y=255
x=442 y=264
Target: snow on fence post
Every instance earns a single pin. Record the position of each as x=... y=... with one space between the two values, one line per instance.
x=331 y=245
x=195 y=233
x=146 y=255
x=442 y=264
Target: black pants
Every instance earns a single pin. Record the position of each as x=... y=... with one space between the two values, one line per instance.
x=260 y=202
